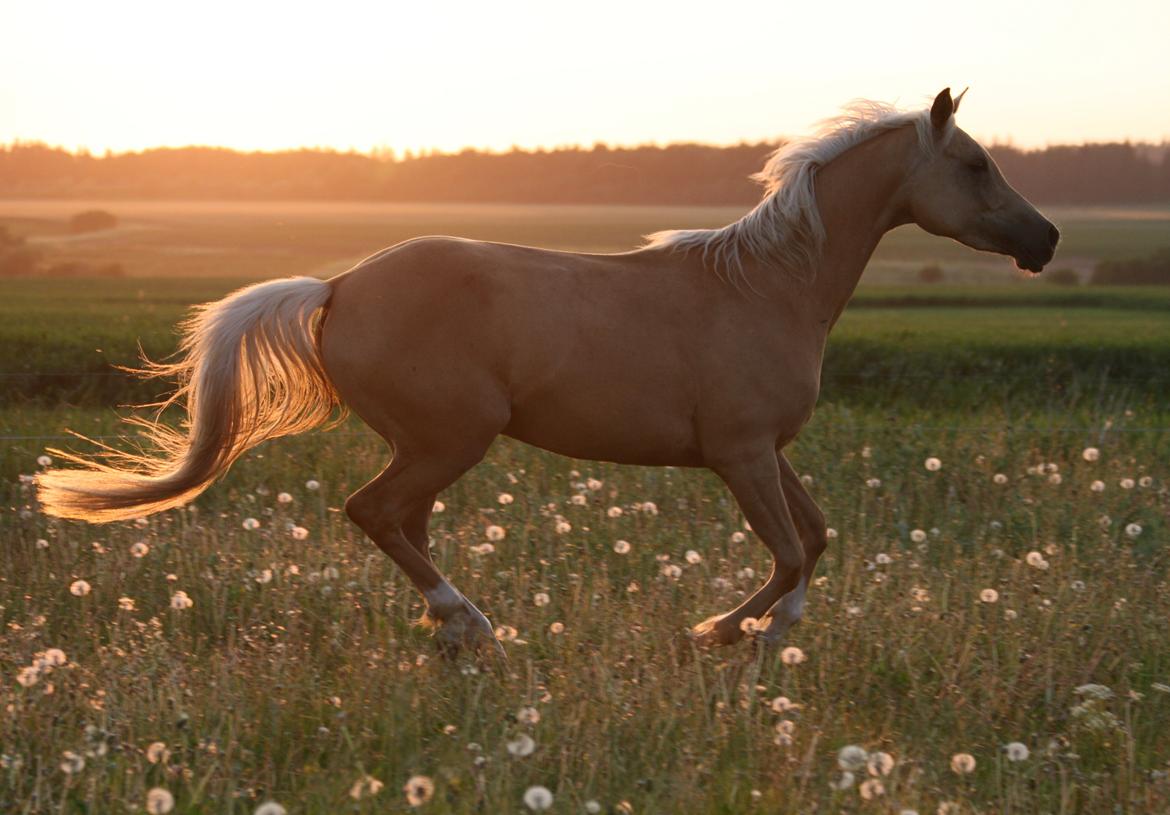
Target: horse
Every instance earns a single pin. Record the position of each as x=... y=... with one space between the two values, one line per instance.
x=701 y=348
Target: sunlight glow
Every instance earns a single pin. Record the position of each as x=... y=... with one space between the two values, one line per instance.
x=267 y=76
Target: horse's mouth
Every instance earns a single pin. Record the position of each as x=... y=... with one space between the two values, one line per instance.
x=1026 y=263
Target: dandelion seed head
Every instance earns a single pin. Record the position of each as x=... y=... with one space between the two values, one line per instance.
x=541 y=598
x=556 y=628
x=879 y=763
x=365 y=786
x=538 y=798
x=157 y=752
x=830 y=534
x=871 y=788
x=270 y=808
x=528 y=715
x=504 y=498
x=782 y=704
x=693 y=557
x=989 y=596
x=873 y=484
x=592 y=807
x=918 y=535
x=1145 y=481
x=495 y=533
x=1016 y=751
x=932 y=464
x=563 y=527
x=251 y=524
x=72 y=763
x=792 y=655
x=738 y=537
x=284 y=498
x=438 y=507
x=621 y=547
x=159 y=801
x=54 y=657
x=140 y=549
x=1090 y=454
x=1133 y=530
x=882 y=559
x=299 y=533
x=1036 y=560
x=649 y=508
x=999 y=478
x=522 y=746
x=1126 y=483
x=126 y=603
x=418 y=790
x=312 y=484
x=79 y=588
x=843 y=782
x=962 y=763
x=180 y=601
x=614 y=512
x=593 y=484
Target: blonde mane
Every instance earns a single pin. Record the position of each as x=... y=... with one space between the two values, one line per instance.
x=785 y=228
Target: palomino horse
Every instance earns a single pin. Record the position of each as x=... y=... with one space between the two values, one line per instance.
x=703 y=348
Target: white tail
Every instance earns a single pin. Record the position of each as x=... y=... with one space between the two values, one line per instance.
x=249 y=370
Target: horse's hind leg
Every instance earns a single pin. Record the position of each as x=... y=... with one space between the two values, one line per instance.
x=389 y=504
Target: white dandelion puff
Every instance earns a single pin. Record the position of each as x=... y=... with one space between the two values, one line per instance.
x=538 y=798
x=932 y=464
x=251 y=524
x=79 y=588
x=989 y=596
x=1133 y=530
x=495 y=533
x=312 y=484
x=522 y=746
x=621 y=547
x=963 y=763
x=1090 y=454
x=418 y=790
x=159 y=801
x=1016 y=751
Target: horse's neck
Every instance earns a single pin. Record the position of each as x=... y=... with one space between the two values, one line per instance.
x=858 y=195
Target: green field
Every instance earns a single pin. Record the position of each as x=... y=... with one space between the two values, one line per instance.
x=297 y=671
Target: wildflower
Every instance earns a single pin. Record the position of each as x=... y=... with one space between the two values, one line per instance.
x=614 y=512
x=366 y=785
x=1036 y=560
x=270 y=808
x=156 y=752
x=541 y=598
x=140 y=549
x=28 y=676
x=651 y=508
x=749 y=625
x=1133 y=530
x=495 y=533
x=882 y=559
x=42 y=543
x=932 y=464
x=159 y=801
x=528 y=715
x=989 y=596
x=72 y=763
x=918 y=535
x=1095 y=691
x=284 y=498
x=782 y=704
x=879 y=763
x=1055 y=479
x=79 y=588
x=563 y=527
x=1144 y=481
x=852 y=757
x=438 y=507
x=44 y=460
x=738 y=537
x=299 y=533
x=251 y=524
x=693 y=557
x=312 y=484
x=483 y=549
x=264 y=576
x=621 y=547
x=522 y=746
x=54 y=658
x=1090 y=454
x=592 y=807
x=180 y=601
x=593 y=484
x=873 y=484
x=579 y=500
x=844 y=782
x=784 y=730
x=1016 y=751
x=962 y=763
x=999 y=478
x=871 y=788
x=505 y=498
x=538 y=798
x=419 y=789
x=557 y=628
x=830 y=534
x=1010 y=614
x=1126 y=483
x=506 y=633
x=1097 y=486
x=672 y=570
x=126 y=603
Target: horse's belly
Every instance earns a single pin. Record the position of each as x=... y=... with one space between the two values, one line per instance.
x=607 y=429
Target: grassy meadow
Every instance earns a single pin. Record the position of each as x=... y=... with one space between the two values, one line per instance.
x=254 y=647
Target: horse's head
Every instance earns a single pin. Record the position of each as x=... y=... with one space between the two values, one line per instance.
x=958 y=191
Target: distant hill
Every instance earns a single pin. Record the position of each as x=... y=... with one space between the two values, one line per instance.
x=676 y=174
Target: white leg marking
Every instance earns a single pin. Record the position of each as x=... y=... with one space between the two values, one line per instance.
x=443 y=599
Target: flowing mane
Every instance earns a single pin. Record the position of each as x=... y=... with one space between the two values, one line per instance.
x=785 y=227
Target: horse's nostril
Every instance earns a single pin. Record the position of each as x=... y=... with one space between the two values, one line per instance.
x=1053 y=236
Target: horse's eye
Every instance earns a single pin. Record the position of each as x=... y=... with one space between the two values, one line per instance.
x=978 y=165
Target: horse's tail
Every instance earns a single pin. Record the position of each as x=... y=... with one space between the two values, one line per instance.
x=249 y=369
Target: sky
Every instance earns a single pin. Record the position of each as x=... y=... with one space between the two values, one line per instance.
x=437 y=74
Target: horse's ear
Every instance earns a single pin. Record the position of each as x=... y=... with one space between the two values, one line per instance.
x=959 y=99
x=942 y=110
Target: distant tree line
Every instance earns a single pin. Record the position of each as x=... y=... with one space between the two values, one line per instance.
x=675 y=174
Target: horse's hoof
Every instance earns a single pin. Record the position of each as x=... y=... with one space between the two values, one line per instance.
x=714 y=632
x=465 y=630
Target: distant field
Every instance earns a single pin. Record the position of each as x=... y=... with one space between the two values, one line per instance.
x=268 y=239
x=1019 y=593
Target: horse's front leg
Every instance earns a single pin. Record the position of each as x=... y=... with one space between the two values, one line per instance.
x=810 y=522
x=754 y=480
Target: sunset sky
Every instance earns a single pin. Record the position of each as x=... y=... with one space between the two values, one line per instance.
x=258 y=75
